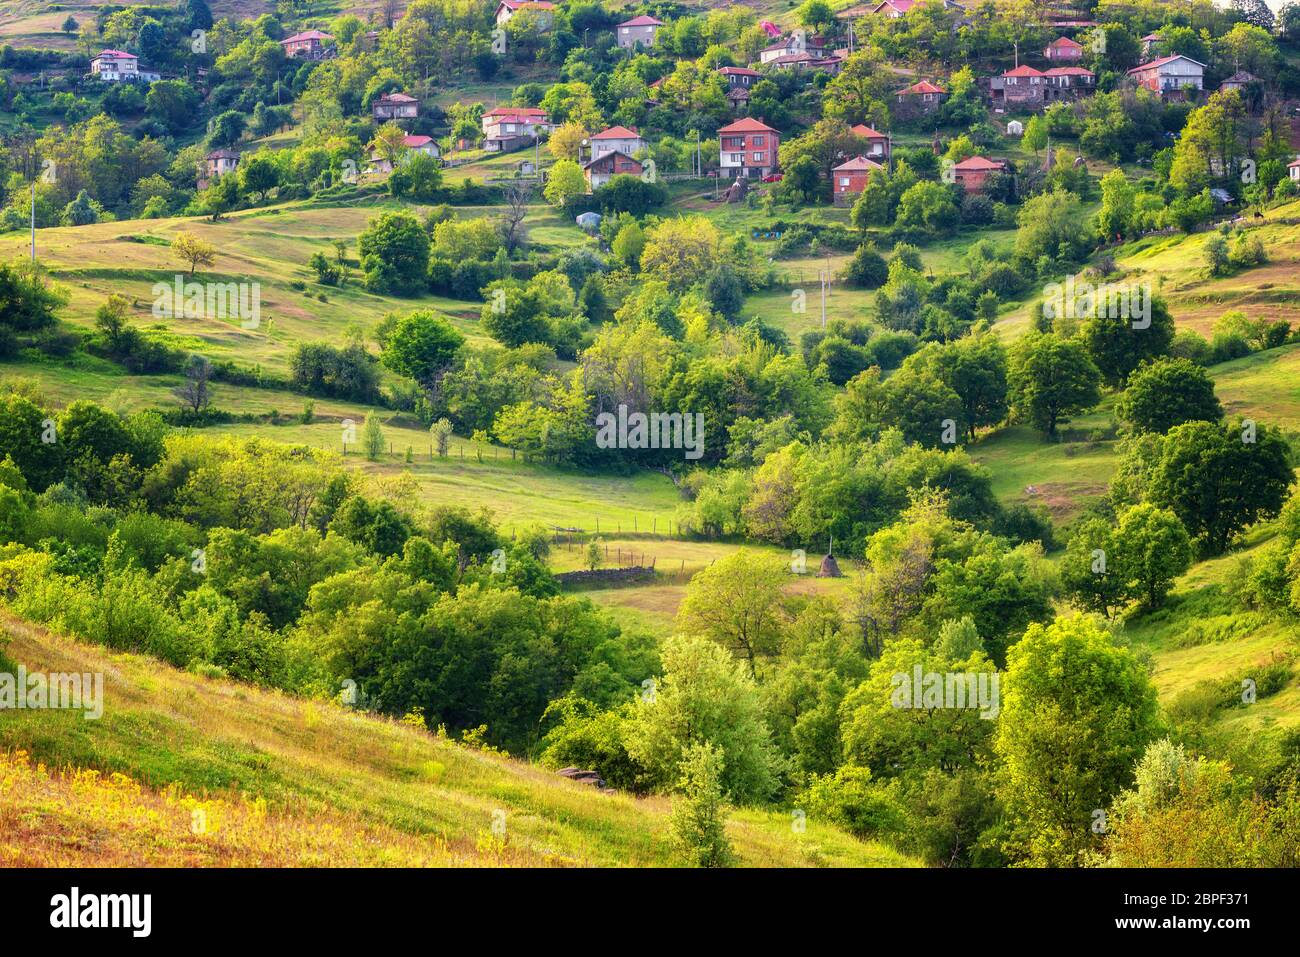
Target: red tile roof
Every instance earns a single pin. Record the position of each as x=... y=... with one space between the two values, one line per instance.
x=747 y=125
x=858 y=163
x=1023 y=70
x=1065 y=43
x=1143 y=67
x=1068 y=71
x=307 y=35
x=978 y=163
x=642 y=21
x=738 y=71
x=866 y=132
x=617 y=133
x=925 y=86
x=117 y=55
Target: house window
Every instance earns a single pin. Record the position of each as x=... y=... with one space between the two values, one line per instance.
x=758 y=141
x=737 y=158
x=625 y=31
x=844 y=181
x=758 y=157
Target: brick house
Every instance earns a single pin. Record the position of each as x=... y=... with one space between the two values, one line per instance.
x=849 y=179
x=604 y=167
x=1063 y=50
x=640 y=30
x=508 y=128
x=879 y=145
x=794 y=43
x=1170 y=75
x=1022 y=85
x=395 y=106
x=748 y=148
x=973 y=173
x=309 y=44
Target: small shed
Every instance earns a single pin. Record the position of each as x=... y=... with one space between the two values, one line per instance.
x=1015 y=128
x=588 y=221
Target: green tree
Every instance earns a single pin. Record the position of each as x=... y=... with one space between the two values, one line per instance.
x=1118 y=343
x=737 y=602
x=698 y=820
x=704 y=697
x=1051 y=378
x=422 y=346
x=372 y=437
x=394 y=254
x=564 y=182
x=1152 y=549
x=1219 y=479
x=1077 y=713
x=1168 y=392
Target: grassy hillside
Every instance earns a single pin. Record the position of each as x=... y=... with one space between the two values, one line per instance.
x=280 y=781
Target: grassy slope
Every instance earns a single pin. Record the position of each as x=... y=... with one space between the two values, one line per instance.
x=286 y=781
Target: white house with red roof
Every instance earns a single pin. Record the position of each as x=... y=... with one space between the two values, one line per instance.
x=1293 y=169
x=1063 y=50
x=794 y=44
x=310 y=44
x=413 y=144
x=508 y=128
x=544 y=10
x=640 y=30
x=748 y=148
x=113 y=66
x=617 y=139
x=1170 y=76
x=118 y=66
x=879 y=145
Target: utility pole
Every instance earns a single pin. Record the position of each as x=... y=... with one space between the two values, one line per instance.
x=823 y=275
x=33 y=222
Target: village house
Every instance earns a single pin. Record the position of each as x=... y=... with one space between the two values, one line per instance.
x=1151 y=45
x=507 y=128
x=893 y=9
x=618 y=139
x=1293 y=169
x=748 y=148
x=395 y=106
x=739 y=77
x=1063 y=50
x=1239 y=81
x=413 y=144
x=1022 y=86
x=309 y=45
x=791 y=45
x=1170 y=76
x=601 y=169
x=973 y=173
x=920 y=97
x=117 y=66
x=216 y=164
x=640 y=30
x=849 y=179
x=804 y=60
x=543 y=10
x=1068 y=82
x=879 y=145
